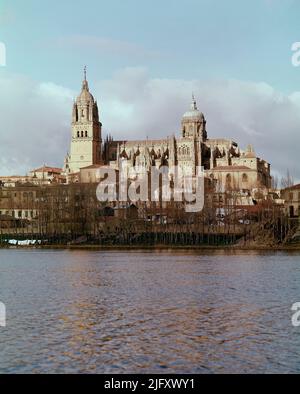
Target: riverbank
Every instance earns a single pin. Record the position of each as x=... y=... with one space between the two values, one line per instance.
x=227 y=248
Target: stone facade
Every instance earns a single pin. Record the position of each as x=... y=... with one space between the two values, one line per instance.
x=19 y=202
x=86 y=133
x=222 y=159
x=291 y=196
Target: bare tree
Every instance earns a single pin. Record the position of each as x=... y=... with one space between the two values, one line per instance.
x=275 y=182
x=287 y=180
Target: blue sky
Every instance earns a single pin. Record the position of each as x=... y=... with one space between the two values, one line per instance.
x=173 y=38
x=225 y=51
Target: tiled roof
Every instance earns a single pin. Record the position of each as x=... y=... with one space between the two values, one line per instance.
x=295 y=187
x=92 y=166
x=48 y=169
x=232 y=168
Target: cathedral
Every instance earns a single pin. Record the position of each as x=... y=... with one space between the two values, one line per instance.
x=222 y=159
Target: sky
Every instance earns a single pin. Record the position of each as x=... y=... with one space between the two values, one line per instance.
x=145 y=59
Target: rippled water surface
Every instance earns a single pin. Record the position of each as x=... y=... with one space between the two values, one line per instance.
x=148 y=312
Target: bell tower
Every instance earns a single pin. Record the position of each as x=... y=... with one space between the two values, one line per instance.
x=86 y=132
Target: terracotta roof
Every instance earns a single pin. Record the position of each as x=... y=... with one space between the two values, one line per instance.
x=295 y=187
x=232 y=168
x=48 y=169
x=92 y=166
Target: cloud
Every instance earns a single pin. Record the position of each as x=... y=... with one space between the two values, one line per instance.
x=35 y=118
x=34 y=124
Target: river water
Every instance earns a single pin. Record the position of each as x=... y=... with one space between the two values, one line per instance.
x=149 y=312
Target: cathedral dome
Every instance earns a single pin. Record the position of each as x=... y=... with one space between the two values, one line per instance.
x=193 y=113
x=85 y=94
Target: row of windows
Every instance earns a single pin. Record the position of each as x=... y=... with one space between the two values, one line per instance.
x=184 y=151
x=82 y=134
x=244 y=178
x=229 y=178
x=15 y=195
x=293 y=196
x=27 y=214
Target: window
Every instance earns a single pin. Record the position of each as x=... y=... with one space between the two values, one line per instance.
x=245 y=178
x=228 y=180
x=78 y=134
x=86 y=133
x=82 y=134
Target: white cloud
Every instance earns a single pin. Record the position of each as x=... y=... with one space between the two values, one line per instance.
x=35 y=118
x=34 y=124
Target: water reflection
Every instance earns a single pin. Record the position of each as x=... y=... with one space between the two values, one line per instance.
x=138 y=312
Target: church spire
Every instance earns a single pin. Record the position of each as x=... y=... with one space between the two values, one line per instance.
x=85 y=84
x=194 y=103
